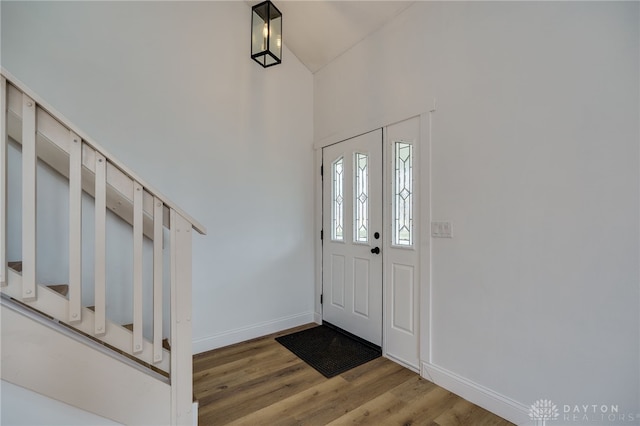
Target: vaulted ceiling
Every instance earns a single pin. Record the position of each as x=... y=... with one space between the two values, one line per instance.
x=318 y=31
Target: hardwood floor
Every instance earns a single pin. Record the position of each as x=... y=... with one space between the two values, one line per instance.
x=261 y=383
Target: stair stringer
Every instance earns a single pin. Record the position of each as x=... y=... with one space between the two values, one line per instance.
x=54 y=304
x=46 y=361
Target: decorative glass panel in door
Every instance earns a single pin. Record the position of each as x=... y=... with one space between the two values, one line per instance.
x=402 y=194
x=361 y=199
x=337 y=200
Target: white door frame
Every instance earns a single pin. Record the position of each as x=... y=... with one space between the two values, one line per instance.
x=424 y=218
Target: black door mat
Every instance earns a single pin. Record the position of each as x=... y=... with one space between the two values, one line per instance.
x=329 y=350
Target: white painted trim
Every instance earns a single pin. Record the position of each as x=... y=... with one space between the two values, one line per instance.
x=21 y=406
x=52 y=303
x=83 y=376
x=3 y=181
x=424 y=372
x=181 y=340
x=100 y=251
x=194 y=410
x=29 y=209
x=253 y=331
x=158 y=243
x=486 y=398
x=365 y=127
x=317 y=244
x=424 y=348
x=8 y=303
x=75 y=228
x=137 y=267
x=66 y=122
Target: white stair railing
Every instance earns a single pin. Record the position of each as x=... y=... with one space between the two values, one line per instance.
x=47 y=136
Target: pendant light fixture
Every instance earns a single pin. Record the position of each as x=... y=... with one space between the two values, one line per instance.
x=266 y=34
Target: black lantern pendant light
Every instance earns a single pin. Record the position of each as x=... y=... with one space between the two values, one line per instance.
x=266 y=34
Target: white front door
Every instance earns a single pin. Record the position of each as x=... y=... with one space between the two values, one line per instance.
x=352 y=242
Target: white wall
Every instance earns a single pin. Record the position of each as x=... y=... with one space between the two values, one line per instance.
x=170 y=90
x=535 y=160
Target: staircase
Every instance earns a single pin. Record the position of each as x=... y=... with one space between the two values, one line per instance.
x=112 y=369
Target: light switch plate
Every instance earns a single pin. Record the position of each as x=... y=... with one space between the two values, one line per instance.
x=441 y=230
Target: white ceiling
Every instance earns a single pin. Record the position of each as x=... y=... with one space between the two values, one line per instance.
x=318 y=31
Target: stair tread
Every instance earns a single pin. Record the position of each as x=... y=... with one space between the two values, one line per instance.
x=62 y=289
x=16 y=266
x=165 y=342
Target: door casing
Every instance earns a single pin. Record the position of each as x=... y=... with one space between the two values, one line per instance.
x=408 y=346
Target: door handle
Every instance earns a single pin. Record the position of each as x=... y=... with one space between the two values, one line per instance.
x=375 y=250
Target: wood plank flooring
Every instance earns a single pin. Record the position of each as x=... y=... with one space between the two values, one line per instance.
x=260 y=382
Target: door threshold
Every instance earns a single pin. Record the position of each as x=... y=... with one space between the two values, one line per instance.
x=352 y=336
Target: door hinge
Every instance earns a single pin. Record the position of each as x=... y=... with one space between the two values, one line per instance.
x=321 y=234
x=321 y=297
x=321 y=169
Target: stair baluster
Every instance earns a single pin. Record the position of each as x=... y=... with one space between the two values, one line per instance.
x=158 y=242
x=100 y=268
x=29 y=167
x=138 y=193
x=75 y=227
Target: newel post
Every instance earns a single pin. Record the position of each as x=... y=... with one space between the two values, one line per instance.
x=181 y=347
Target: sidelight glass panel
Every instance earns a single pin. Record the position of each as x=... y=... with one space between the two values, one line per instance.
x=403 y=194
x=361 y=199
x=337 y=197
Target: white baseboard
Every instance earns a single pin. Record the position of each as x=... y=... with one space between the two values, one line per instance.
x=317 y=318
x=250 y=332
x=194 y=412
x=486 y=398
